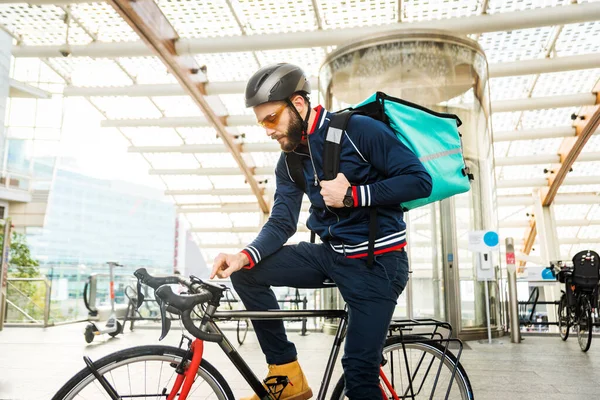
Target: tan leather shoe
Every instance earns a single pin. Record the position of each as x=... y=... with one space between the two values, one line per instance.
x=296 y=389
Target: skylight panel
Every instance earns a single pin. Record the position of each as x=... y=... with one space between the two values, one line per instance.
x=520 y=44
x=505 y=121
x=593 y=143
x=571 y=82
x=40 y=25
x=571 y=211
x=85 y=71
x=272 y=16
x=147 y=70
x=122 y=107
x=503 y=6
x=547 y=118
x=354 y=13
x=424 y=10
x=105 y=23
x=533 y=147
x=227 y=67
x=186 y=182
x=200 y=135
x=178 y=106
x=172 y=160
x=309 y=59
x=512 y=87
x=578 y=39
x=585 y=168
x=200 y=19
x=521 y=172
x=234 y=104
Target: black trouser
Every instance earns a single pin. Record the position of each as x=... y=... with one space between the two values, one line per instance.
x=371 y=295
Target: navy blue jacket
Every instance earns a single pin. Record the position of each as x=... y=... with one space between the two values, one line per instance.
x=383 y=173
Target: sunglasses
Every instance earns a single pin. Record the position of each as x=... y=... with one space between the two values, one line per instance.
x=271 y=120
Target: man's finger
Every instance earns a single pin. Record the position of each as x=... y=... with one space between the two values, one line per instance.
x=216 y=266
x=228 y=271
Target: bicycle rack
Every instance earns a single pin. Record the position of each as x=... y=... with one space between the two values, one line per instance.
x=401 y=327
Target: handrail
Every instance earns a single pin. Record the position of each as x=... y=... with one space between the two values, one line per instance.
x=46 y=309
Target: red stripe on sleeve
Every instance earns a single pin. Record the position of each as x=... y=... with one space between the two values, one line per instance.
x=249 y=258
x=355 y=196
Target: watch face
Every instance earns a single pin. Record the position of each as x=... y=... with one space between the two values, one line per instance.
x=348 y=201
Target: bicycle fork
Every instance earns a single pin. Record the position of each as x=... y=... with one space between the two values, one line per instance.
x=186 y=377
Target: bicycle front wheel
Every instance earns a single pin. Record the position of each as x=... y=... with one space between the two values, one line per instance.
x=584 y=324
x=422 y=363
x=144 y=372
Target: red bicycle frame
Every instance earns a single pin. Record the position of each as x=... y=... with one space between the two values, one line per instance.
x=388 y=385
x=187 y=378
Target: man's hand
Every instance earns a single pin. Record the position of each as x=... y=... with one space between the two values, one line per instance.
x=333 y=192
x=227 y=264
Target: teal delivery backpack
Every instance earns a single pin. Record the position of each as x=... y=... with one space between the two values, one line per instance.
x=432 y=136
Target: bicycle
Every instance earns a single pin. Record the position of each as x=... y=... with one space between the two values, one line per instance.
x=138 y=372
x=578 y=300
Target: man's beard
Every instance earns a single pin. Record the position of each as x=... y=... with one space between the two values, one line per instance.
x=293 y=134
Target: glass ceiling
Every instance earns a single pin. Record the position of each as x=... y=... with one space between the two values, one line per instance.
x=38 y=25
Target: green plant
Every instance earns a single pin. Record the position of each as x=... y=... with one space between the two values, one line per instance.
x=20 y=258
x=27 y=295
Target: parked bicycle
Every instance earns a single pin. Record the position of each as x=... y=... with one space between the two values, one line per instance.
x=580 y=297
x=415 y=366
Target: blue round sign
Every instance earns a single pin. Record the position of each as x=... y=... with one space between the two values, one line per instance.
x=491 y=239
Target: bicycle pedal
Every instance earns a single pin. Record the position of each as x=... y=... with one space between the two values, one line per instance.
x=279 y=380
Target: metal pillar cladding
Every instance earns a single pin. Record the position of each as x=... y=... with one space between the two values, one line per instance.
x=546 y=228
x=445 y=73
x=511 y=270
x=547 y=237
x=4 y=268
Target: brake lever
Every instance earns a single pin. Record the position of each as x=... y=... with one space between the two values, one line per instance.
x=165 y=322
x=140 y=295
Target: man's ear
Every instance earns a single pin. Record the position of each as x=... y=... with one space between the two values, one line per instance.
x=299 y=102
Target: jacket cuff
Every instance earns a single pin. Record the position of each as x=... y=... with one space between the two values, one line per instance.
x=253 y=255
x=252 y=263
x=362 y=196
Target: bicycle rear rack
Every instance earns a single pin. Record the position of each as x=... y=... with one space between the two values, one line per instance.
x=435 y=332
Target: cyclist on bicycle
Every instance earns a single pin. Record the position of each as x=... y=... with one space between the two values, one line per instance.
x=376 y=170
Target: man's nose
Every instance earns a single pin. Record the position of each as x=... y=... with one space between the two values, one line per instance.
x=269 y=131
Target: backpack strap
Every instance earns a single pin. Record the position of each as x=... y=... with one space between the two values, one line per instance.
x=294 y=164
x=333 y=143
x=331 y=167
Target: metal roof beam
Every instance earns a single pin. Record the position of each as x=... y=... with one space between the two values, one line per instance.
x=207 y=148
x=541 y=103
x=542 y=159
x=521 y=19
x=524 y=67
x=533 y=134
x=209 y=192
x=148 y=21
x=534 y=103
x=537 y=182
x=211 y=171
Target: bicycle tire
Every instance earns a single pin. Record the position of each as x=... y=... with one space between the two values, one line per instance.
x=242 y=330
x=564 y=325
x=433 y=348
x=585 y=320
x=84 y=379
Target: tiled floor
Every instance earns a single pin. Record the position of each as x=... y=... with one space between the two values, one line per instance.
x=35 y=362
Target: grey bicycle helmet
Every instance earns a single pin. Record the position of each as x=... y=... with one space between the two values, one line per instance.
x=275 y=82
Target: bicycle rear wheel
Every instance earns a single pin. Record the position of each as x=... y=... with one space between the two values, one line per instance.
x=584 y=324
x=144 y=372
x=424 y=359
x=563 y=317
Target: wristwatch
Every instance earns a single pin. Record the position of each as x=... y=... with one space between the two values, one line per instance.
x=348 y=199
